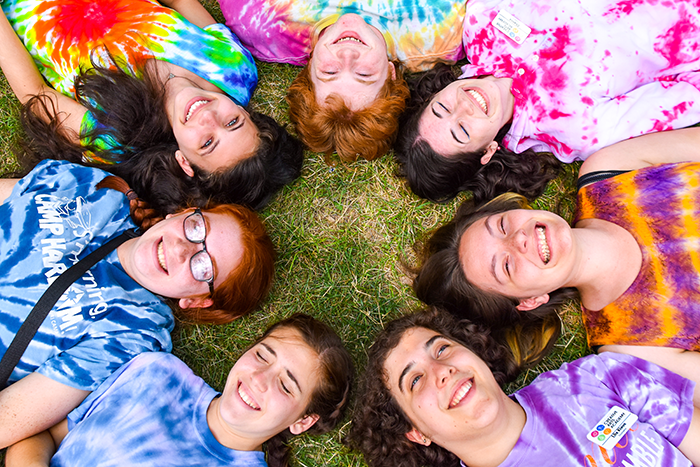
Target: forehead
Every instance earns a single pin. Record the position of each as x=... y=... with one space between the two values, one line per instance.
x=410 y=350
x=476 y=253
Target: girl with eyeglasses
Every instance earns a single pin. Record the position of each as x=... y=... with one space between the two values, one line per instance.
x=295 y=378
x=209 y=266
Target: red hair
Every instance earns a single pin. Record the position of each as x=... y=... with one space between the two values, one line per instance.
x=366 y=133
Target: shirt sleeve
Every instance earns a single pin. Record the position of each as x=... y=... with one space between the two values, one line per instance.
x=657 y=396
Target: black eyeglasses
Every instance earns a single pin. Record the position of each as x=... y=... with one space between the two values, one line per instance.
x=201 y=265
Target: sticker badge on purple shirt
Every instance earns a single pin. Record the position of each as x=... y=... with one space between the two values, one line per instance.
x=612 y=427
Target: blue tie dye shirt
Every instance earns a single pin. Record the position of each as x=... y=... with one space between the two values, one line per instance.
x=152 y=412
x=53 y=216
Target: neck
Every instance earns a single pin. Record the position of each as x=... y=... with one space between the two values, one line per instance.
x=225 y=435
x=494 y=447
x=609 y=261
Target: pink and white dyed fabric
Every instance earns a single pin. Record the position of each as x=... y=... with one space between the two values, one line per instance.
x=591 y=72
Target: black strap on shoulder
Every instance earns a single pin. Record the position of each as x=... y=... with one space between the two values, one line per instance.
x=38 y=314
x=593 y=177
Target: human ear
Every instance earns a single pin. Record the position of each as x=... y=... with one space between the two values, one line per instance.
x=531 y=303
x=186 y=303
x=184 y=163
x=303 y=424
x=392 y=69
x=490 y=151
x=417 y=437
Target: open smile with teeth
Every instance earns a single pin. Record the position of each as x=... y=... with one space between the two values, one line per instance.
x=246 y=398
x=480 y=99
x=194 y=107
x=349 y=39
x=161 y=256
x=542 y=244
x=461 y=393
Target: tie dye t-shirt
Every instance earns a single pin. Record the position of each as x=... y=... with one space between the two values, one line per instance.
x=565 y=405
x=61 y=35
x=152 y=412
x=590 y=73
x=53 y=218
x=420 y=33
x=660 y=207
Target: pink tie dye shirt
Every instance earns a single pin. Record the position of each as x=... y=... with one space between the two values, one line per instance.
x=591 y=73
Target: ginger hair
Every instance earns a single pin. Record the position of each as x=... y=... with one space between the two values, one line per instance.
x=367 y=133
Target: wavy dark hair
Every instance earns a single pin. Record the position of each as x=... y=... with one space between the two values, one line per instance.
x=439 y=179
x=379 y=425
x=329 y=399
x=130 y=112
x=439 y=279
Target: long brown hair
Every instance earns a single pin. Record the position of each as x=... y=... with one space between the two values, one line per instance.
x=367 y=133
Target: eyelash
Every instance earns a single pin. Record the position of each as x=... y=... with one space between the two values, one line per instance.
x=441 y=349
x=208 y=143
x=232 y=122
x=284 y=388
x=260 y=357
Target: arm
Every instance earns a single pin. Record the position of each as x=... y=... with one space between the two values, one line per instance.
x=37 y=450
x=25 y=79
x=6 y=186
x=643 y=151
x=192 y=10
x=34 y=404
x=690 y=446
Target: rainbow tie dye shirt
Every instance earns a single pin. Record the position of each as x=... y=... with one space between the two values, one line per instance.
x=590 y=73
x=420 y=33
x=61 y=35
x=660 y=207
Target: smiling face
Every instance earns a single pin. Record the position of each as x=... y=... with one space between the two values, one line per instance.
x=212 y=131
x=350 y=60
x=446 y=391
x=520 y=253
x=270 y=387
x=159 y=260
x=466 y=115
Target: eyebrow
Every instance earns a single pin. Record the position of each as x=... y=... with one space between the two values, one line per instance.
x=289 y=373
x=493 y=260
x=406 y=370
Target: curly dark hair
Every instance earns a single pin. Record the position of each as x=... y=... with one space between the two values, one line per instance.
x=439 y=179
x=440 y=278
x=130 y=113
x=329 y=399
x=379 y=425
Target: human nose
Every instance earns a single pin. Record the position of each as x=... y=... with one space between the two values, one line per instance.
x=347 y=55
x=443 y=373
x=260 y=380
x=518 y=240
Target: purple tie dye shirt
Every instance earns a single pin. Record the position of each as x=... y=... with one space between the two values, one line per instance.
x=563 y=405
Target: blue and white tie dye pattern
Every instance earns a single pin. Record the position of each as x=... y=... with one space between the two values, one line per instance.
x=53 y=216
x=152 y=412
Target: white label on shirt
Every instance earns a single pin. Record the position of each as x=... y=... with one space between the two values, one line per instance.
x=612 y=427
x=511 y=26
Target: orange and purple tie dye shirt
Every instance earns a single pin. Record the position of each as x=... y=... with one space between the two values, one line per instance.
x=420 y=33
x=660 y=207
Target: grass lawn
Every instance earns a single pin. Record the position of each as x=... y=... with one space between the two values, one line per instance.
x=342 y=234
